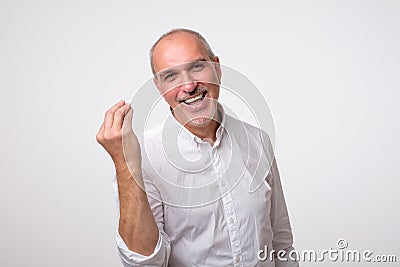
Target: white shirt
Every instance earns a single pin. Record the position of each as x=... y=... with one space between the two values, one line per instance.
x=220 y=212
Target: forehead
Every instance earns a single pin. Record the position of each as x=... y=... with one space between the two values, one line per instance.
x=177 y=49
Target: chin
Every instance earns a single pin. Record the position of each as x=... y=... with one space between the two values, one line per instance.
x=200 y=121
x=202 y=117
x=199 y=115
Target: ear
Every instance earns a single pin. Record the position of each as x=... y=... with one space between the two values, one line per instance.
x=157 y=84
x=217 y=68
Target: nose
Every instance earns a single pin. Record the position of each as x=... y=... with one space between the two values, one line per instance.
x=188 y=83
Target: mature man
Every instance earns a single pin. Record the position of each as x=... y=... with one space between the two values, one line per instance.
x=208 y=217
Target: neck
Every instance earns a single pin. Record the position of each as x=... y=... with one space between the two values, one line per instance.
x=206 y=132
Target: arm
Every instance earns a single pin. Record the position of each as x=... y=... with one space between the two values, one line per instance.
x=282 y=231
x=137 y=226
x=283 y=238
x=161 y=253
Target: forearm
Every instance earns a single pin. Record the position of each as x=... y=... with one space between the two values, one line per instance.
x=137 y=225
x=283 y=237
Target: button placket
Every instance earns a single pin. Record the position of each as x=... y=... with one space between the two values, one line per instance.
x=229 y=212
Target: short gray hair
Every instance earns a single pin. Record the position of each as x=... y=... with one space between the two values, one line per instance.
x=180 y=30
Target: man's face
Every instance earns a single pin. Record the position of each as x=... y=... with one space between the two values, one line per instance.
x=188 y=78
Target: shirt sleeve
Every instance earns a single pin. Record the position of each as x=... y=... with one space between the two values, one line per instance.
x=283 y=238
x=161 y=252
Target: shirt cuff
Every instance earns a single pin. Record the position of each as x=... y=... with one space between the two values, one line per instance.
x=130 y=258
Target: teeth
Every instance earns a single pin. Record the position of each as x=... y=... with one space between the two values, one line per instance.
x=190 y=100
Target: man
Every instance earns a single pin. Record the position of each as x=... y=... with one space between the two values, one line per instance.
x=208 y=217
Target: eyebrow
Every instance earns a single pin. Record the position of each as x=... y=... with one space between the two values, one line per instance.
x=199 y=59
x=171 y=69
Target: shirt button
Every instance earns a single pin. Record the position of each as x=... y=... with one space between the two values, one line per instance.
x=238 y=258
x=231 y=220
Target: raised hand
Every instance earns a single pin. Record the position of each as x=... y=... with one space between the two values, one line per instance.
x=137 y=226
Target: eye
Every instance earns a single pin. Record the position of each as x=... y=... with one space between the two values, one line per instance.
x=169 y=76
x=197 y=66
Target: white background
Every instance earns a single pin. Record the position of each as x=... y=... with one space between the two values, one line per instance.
x=329 y=70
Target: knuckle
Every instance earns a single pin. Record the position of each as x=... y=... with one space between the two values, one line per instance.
x=107 y=136
x=99 y=138
x=119 y=113
x=108 y=112
x=100 y=135
x=113 y=135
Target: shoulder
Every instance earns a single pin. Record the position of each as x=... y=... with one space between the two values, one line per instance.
x=244 y=129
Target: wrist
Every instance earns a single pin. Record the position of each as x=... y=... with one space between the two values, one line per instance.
x=120 y=164
x=126 y=175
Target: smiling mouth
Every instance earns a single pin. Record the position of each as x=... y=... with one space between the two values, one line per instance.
x=196 y=99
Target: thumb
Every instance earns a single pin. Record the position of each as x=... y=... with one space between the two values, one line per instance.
x=127 y=124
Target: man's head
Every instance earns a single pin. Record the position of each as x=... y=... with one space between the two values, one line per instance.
x=187 y=74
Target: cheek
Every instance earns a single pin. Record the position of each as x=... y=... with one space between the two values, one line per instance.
x=214 y=91
x=170 y=97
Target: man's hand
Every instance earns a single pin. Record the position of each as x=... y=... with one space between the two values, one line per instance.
x=137 y=226
x=119 y=140
x=111 y=131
